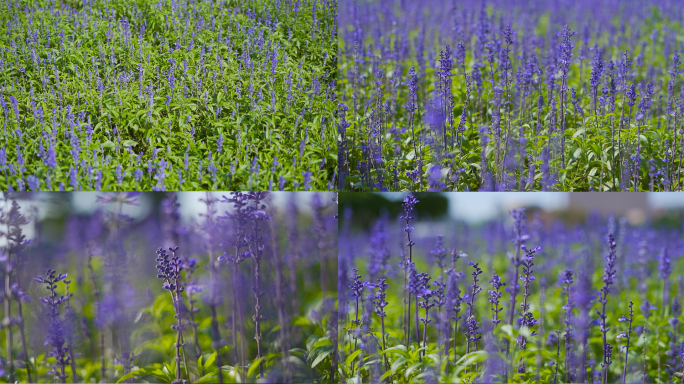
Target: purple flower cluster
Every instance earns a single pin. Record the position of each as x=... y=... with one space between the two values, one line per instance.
x=56 y=331
x=494 y=297
x=608 y=279
x=473 y=327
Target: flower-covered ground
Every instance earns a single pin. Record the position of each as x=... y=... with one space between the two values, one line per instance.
x=167 y=95
x=522 y=95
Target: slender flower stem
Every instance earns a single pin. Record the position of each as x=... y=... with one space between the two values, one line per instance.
x=70 y=317
x=608 y=279
x=518 y=217
x=380 y=305
x=425 y=323
x=527 y=320
x=628 y=336
x=23 y=337
x=216 y=338
x=198 y=350
x=8 y=316
x=256 y=249
x=280 y=299
x=475 y=289
x=409 y=204
x=96 y=294
x=567 y=280
x=356 y=291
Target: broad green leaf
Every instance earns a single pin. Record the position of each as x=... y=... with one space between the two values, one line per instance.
x=351 y=357
x=210 y=361
x=254 y=367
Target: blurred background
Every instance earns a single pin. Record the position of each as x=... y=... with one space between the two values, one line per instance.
x=54 y=207
x=660 y=208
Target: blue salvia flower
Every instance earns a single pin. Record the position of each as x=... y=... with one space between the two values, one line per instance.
x=422 y=290
x=138 y=175
x=631 y=95
x=126 y=360
x=460 y=55
x=74 y=178
x=608 y=280
x=380 y=304
x=566 y=280
x=646 y=308
x=526 y=317
x=380 y=253
x=33 y=183
x=119 y=174
x=474 y=333
x=645 y=103
x=3 y=158
x=674 y=68
x=15 y=106
x=181 y=180
x=56 y=332
x=356 y=290
x=475 y=289
x=219 y=142
x=169 y=268
x=439 y=253
x=20 y=159
x=408 y=205
x=596 y=71
x=51 y=158
x=494 y=297
x=565 y=50
x=664 y=264
x=307 y=180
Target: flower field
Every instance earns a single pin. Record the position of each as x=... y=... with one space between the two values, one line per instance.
x=521 y=95
x=526 y=298
x=177 y=287
x=167 y=95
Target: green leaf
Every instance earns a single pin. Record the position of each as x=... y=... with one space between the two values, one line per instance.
x=411 y=368
x=470 y=359
x=351 y=357
x=210 y=361
x=255 y=366
x=156 y=372
x=400 y=349
x=129 y=143
x=108 y=144
x=131 y=374
x=577 y=153
x=398 y=363
x=208 y=378
x=321 y=353
x=578 y=132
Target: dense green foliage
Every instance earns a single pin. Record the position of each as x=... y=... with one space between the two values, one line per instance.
x=167 y=95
